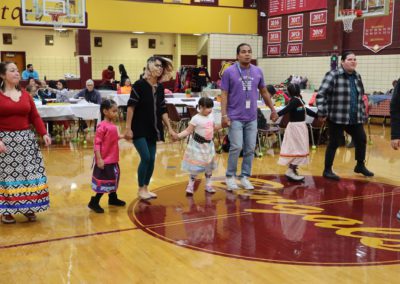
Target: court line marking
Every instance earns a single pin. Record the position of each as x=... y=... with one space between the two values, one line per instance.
x=69 y=238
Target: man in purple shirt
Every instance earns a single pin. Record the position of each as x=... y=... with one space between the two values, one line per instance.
x=239 y=85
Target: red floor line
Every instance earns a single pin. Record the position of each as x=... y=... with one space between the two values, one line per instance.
x=67 y=238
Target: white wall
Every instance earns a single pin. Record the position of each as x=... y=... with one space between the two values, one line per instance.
x=117 y=49
x=223 y=46
x=50 y=61
x=377 y=72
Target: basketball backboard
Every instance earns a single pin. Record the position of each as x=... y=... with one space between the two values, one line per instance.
x=39 y=12
x=369 y=8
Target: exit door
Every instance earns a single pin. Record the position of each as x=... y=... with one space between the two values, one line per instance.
x=18 y=57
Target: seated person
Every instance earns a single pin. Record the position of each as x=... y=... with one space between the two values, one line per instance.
x=127 y=88
x=43 y=92
x=90 y=94
x=29 y=73
x=108 y=78
x=61 y=91
x=32 y=90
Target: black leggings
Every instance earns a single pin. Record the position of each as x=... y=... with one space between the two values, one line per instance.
x=335 y=135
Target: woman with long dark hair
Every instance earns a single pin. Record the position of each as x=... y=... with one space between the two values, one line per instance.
x=23 y=181
x=145 y=117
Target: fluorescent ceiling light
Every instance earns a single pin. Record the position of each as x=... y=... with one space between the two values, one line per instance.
x=197 y=34
x=138 y=32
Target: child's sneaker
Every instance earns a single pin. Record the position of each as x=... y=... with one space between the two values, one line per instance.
x=210 y=189
x=292 y=175
x=190 y=189
x=94 y=205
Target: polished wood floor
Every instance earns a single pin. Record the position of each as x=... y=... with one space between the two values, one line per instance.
x=71 y=244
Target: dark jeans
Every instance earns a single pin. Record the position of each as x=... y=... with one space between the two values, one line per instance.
x=147 y=151
x=335 y=135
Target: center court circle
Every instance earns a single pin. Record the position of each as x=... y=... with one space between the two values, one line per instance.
x=318 y=222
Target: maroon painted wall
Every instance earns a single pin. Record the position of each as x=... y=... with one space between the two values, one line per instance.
x=335 y=34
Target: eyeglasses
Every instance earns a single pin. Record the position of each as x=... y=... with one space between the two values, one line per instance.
x=158 y=65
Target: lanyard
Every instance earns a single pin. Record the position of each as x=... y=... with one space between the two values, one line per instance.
x=246 y=87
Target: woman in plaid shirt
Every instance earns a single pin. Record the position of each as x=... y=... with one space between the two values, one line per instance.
x=339 y=101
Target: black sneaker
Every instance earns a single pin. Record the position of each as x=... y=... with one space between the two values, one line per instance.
x=116 y=202
x=329 y=174
x=361 y=169
x=94 y=205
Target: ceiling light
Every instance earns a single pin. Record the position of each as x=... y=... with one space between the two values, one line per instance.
x=138 y=32
x=197 y=34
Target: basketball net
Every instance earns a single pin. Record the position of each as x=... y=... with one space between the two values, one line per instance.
x=57 y=24
x=348 y=16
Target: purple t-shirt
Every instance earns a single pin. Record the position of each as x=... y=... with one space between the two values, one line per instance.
x=241 y=86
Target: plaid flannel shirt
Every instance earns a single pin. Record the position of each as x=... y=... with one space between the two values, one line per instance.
x=333 y=99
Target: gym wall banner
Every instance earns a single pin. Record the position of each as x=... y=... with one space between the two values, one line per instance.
x=283 y=7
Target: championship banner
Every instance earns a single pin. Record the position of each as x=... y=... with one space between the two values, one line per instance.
x=295 y=35
x=378 y=31
x=274 y=37
x=295 y=21
x=294 y=48
x=275 y=23
x=274 y=50
x=318 y=33
x=283 y=7
x=318 y=18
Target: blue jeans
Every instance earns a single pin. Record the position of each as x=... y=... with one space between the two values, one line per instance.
x=147 y=151
x=242 y=135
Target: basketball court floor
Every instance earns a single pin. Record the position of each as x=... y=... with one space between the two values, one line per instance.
x=318 y=231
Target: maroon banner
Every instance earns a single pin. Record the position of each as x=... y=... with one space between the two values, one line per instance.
x=295 y=35
x=378 y=31
x=283 y=7
x=274 y=37
x=294 y=48
x=295 y=21
x=318 y=18
x=274 y=50
x=318 y=33
x=275 y=23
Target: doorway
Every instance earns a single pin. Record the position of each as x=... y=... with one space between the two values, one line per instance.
x=18 y=57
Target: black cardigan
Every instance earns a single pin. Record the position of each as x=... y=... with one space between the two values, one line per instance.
x=149 y=108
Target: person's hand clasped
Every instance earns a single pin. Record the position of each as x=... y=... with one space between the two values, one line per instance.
x=128 y=135
x=225 y=121
x=274 y=116
x=395 y=144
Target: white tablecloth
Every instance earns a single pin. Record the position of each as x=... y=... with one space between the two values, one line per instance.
x=73 y=111
x=120 y=99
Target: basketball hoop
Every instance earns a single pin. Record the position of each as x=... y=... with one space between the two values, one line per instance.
x=58 y=25
x=348 y=16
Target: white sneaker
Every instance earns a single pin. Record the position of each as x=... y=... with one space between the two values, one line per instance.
x=190 y=189
x=210 y=189
x=152 y=194
x=292 y=175
x=246 y=184
x=231 y=183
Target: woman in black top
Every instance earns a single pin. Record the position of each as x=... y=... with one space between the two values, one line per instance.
x=295 y=146
x=145 y=116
